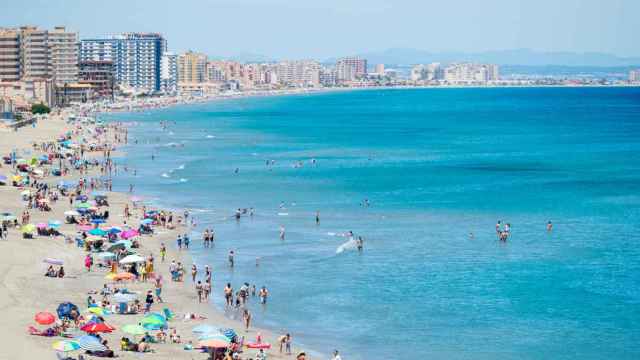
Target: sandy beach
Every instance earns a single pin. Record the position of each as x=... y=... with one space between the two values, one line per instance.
x=25 y=291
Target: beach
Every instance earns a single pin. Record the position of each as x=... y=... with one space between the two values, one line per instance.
x=25 y=290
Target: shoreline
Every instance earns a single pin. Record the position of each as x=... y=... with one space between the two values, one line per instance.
x=23 y=278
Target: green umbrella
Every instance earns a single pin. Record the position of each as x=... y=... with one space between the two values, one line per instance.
x=134 y=329
x=154 y=319
x=83 y=205
x=28 y=229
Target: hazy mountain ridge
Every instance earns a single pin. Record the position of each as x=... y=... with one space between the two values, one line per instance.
x=526 y=57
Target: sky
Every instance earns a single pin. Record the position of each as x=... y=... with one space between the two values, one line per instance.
x=330 y=28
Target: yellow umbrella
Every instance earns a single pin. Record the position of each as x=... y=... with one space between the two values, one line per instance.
x=16 y=178
x=28 y=229
x=110 y=276
x=97 y=310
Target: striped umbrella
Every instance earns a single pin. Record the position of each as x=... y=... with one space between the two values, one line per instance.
x=65 y=345
x=230 y=333
x=88 y=342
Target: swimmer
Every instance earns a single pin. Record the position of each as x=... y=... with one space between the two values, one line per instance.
x=282 y=232
x=317 y=217
x=549 y=226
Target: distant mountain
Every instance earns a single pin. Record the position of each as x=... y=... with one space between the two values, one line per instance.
x=405 y=56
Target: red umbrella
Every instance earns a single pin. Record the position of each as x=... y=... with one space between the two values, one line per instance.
x=97 y=327
x=45 y=318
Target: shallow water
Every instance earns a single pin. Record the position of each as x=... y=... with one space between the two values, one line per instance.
x=435 y=165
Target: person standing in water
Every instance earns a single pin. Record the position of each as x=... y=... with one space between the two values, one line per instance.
x=231 y=255
x=282 y=232
x=360 y=244
x=549 y=226
x=317 y=217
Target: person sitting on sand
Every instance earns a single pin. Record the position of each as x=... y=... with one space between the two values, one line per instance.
x=50 y=272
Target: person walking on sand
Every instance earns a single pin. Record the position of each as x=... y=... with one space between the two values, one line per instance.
x=88 y=261
x=158 y=286
x=163 y=252
x=247 y=319
x=199 y=291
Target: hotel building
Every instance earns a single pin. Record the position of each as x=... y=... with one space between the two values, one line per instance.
x=136 y=57
x=351 y=68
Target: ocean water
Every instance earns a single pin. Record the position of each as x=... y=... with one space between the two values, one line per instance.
x=435 y=166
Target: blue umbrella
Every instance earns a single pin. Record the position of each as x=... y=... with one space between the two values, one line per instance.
x=64 y=183
x=114 y=231
x=97 y=232
x=98 y=221
x=82 y=198
x=3 y=178
x=230 y=333
x=88 y=342
x=146 y=221
x=44 y=158
x=54 y=223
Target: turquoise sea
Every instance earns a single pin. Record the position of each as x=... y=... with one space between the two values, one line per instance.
x=435 y=166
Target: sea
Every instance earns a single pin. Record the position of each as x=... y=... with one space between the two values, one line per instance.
x=423 y=176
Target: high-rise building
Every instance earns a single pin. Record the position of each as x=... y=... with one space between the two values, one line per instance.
x=351 y=68
x=380 y=69
x=427 y=72
x=9 y=55
x=169 y=73
x=215 y=72
x=634 y=75
x=192 y=68
x=298 y=73
x=327 y=77
x=136 y=57
x=63 y=49
x=100 y=75
x=32 y=53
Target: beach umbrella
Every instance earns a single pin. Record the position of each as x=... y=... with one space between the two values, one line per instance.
x=83 y=205
x=106 y=255
x=28 y=229
x=146 y=222
x=204 y=329
x=5 y=216
x=71 y=213
x=97 y=327
x=98 y=221
x=214 y=336
x=97 y=232
x=213 y=344
x=153 y=320
x=3 y=179
x=65 y=345
x=64 y=310
x=230 y=333
x=98 y=311
x=91 y=343
x=128 y=234
x=82 y=198
x=114 y=230
x=84 y=227
x=41 y=225
x=53 y=261
x=66 y=184
x=134 y=329
x=135 y=258
x=54 y=223
x=99 y=194
x=45 y=318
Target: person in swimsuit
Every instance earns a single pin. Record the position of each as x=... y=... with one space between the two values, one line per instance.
x=549 y=226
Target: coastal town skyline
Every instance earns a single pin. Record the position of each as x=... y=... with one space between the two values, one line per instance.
x=286 y=34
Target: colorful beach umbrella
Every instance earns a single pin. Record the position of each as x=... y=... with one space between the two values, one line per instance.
x=98 y=221
x=98 y=311
x=65 y=345
x=213 y=344
x=134 y=329
x=41 y=225
x=91 y=343
x=82 y=205
x=128 y=234
x=84 y=227
x=106 y=255
x=97 y=232
x=28 y=229
x=54 y=223
x=97 y=328
x=45 y=318
x=230 y=333
x=146 y=222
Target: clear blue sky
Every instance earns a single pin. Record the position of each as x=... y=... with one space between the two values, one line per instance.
x=322 y=29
